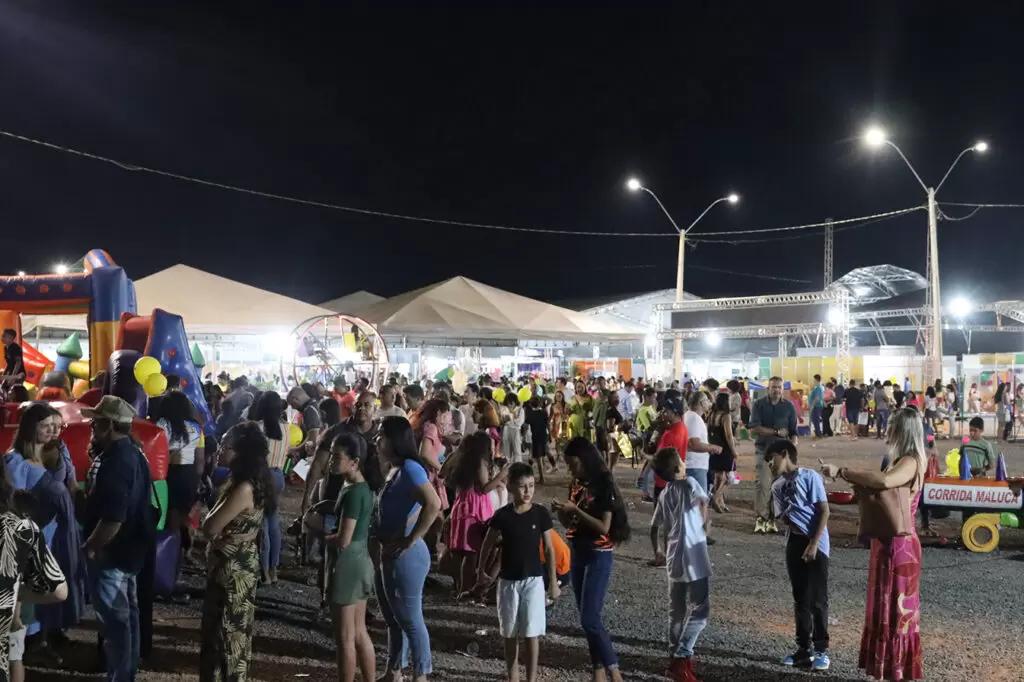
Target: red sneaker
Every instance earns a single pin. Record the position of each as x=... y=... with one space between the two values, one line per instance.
x=681 y=670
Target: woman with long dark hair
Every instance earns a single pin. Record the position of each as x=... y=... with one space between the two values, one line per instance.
x=233 y=565
x=187 y=460
x=595 y=517
x=268 y=413
x=406 y=509
x=720 y=433
x=34 y=456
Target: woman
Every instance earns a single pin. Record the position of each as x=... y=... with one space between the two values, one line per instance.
x=735 y=403
x=473 y=479
x=931 y=408
x=596 y=521
x=187 y=460
x=890 y=647
x=613 y=421
x=720 y=433
x=330 y=412
x=559 y=427
x=28 y=563
x=233 y=564
x=581 y=412
x=973 y=400
x=37 y=465
x=425 y=423
x=512 y=429
x=349 y=568
x=406 y=509
x=486 y=420
x=1004 y=413
x=268 y=413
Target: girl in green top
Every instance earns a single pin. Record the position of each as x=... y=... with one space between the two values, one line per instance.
x=349 y=568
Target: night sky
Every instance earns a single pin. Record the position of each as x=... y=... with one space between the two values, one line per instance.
x=529 y=115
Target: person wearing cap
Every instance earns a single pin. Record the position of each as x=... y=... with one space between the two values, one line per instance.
x=119 y=520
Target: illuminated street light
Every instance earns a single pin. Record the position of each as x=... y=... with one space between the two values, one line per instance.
x=875 y=137
x=60 y=269
x=713 y=339
x=634 y=185
x=21 y=273
x=960 y=307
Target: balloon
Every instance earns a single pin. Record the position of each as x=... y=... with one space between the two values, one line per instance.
x=145 y=367
x=499 y=395
x=524 y=394
x=294 y=435
x=953 y=463
x=155 y=384
x=450 y=372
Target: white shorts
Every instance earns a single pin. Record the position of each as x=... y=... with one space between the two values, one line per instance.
x=17 y=644
x=521 y=605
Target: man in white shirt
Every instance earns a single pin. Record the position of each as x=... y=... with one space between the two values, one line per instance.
x=387 y=404
x=627 y=401
x=698 y=450
x=470 y=395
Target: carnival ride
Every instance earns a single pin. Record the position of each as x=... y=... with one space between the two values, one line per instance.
x=327 y=346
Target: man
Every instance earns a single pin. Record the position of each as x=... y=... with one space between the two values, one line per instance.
x=817 y=403
x=838 y=393
x=674 y=436
x=906 y=384
x=979 y=452
x=237 y=401
x=854 y=399
x=413 y=397
x=771 y=419
x=627 y=408
x=120 y=522
x=14 y=373
x=303 y=403
x=346 y=398
x=698 y=450
x=648 y=412
x=362 y=386
x=387 y=403
x=470 y=396
x=881 y=409
x=366 y=426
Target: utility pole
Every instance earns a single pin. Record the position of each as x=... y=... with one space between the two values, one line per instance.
x=677 y=339
x=933 y=351
x=829 y=252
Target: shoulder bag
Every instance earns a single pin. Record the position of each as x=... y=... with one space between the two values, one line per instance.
x=885 y=514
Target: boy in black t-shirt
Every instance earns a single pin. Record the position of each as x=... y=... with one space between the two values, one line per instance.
x=520 y=526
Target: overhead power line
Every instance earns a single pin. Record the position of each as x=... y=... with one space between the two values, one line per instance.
x=956 y=203
x=725 y=237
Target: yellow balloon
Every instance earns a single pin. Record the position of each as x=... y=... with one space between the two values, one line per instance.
x=524 y=394
x=155 y=385
x=499 y=395
x=294 y=435
x=952 y=463
x=146 y=367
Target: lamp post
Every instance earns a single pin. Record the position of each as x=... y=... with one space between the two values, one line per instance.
x=634 y=185
x=875 y=137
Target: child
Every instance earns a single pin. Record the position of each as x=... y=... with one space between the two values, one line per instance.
x=979 y=452
x=799 y=499
x=521 y=526
x=682 y=512
x=473 y=477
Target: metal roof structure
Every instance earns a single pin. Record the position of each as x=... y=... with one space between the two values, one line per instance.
x=878 y=282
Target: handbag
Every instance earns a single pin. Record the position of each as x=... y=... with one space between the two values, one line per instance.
x=885 y=514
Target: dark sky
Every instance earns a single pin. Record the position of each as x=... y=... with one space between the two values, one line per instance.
x=520 y=114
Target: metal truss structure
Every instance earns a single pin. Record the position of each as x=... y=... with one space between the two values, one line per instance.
x=878 y=282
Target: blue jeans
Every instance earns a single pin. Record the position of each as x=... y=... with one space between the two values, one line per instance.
x=881 y=422
x=703 y=476
x=270 y=547
x=399 y=586
x=113 y=596
x=591 y=571
x=689 y=609
x=816 y=419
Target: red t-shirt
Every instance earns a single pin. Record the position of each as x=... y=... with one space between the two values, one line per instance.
x=675 y=437
x=347 y=402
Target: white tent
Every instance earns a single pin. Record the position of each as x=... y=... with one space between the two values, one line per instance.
x=209 y=304
x=352 y=304
x=461 y=310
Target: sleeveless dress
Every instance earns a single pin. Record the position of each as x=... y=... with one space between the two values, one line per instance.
x=890 y=646
x=229 y=608
x=716 y=436
x=468 y=520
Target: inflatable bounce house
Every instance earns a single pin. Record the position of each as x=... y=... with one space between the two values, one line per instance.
x=135 y=353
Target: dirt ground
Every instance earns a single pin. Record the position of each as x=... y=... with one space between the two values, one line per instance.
x=971 y=621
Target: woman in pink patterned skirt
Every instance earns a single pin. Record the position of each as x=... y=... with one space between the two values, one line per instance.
x=890 y=646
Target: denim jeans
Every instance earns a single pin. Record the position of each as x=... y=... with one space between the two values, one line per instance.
x=399 y=586
x=816 y=419
x=270 y=546
x=703 y=476
x=689 y=609
x=881 y=422
x=113 y=596
x=591 y=571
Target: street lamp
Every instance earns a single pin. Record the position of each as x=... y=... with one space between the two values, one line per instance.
x=634 y=185
x=60 y=269
x=875 y=137
x=960 y=307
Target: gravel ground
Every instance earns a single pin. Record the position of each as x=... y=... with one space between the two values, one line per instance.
x=971 y=620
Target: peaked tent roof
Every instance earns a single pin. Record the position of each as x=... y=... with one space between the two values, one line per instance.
x=352 y=304
x=461 y=308
x=208 y=303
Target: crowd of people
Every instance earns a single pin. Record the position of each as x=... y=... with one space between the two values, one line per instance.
x=414 y=478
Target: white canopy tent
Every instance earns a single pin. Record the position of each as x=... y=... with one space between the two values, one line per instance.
x=354 y=303
x=461 y=311
x=208 y=303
